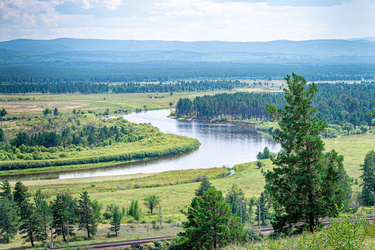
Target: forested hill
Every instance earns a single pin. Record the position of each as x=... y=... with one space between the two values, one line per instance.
x=62 y=60
x=335 y=103
x=315 y=48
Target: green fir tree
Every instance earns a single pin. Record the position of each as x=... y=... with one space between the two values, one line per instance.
x=368 y=175
x=210 y=223
x=236 y=200
x=304 y=184
x=64 y=211
x=42 y=208
x=86 y=215
x=116 y=220
x=9 y=220
x=203 y=187
x=32 y=226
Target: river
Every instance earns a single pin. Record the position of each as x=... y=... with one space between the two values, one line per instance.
x=221 y=145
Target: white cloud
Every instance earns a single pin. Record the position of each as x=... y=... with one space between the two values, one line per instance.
x=113 y=4
x=189 y=20
x=86 y=4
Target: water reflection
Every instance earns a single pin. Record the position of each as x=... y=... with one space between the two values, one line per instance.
x=220 y=145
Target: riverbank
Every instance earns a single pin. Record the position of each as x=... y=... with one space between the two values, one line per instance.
x=219 y=122
x=176 y=188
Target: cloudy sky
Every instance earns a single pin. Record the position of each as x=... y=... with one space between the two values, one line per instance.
x=187 y=20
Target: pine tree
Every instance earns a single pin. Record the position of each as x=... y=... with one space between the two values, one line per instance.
x=236 y=200
x=304 y=184
x=6 y=190
x=262 y=205
x=116 y=220
x=97 y=207
x=134 y=210
x=3 y=113
x=64 y=209
x=210 y=223
x=42 y=208
x=86 y=215
x=32 y=226
x=20 y=196
x=252 y=203
x=368 y=175
x=9 y=220
x=203 y=187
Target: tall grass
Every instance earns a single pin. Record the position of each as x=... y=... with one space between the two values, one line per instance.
x=344 y=232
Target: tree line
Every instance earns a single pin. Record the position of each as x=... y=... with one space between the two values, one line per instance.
x=87 y=135
x=59 y=71
x=95 y=88
x=33 y=216
x=335 y=104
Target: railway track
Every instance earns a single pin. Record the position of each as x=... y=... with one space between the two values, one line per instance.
x=124 y=243
x=139 y=242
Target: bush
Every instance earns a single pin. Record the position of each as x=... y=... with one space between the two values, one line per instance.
x=265 y=154
x=259 y=164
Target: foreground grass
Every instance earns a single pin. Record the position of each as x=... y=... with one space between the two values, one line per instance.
x=127 y=232
x=340 y=234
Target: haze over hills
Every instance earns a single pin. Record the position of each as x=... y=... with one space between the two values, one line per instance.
x=281 y=51
x=94 y=60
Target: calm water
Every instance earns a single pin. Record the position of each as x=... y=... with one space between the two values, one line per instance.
x=220 y=145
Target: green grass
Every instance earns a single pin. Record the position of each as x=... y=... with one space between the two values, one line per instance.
x=341 y=234
x=100 y=102
x=353 y=148
x=176 y=196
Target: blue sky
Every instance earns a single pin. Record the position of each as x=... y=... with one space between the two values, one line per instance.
x=183 y=20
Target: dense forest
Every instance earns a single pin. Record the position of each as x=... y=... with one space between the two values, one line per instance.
x=335 y=103
x=77 y=138
x=103 y=72
x=90 y=88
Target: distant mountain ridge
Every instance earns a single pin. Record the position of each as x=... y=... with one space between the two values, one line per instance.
x=312 y=51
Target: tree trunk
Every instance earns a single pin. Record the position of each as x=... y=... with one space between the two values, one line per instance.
x=311 y=216
x=64 y=235
x=311 y=222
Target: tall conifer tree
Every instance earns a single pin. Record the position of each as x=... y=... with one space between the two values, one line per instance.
x=116 y=220
x=305 y=183
x=368 y=175
x=9 y=220
x=42 y=208
x=86 y=215
x=210 y=223
x=6 y=190
x=21 y=196
x=32 y=227
x=64 y=209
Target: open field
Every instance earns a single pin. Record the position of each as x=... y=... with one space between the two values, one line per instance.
x=27 y=104
x=179 y=190
x=353 y=148
x=175 y=188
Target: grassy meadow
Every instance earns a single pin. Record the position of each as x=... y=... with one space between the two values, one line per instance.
x=175 y=188
x=28 y=105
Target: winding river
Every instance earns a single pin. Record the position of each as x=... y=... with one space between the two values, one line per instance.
x=221 y=145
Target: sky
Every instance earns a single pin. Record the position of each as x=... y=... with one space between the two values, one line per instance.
x=187 y=20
